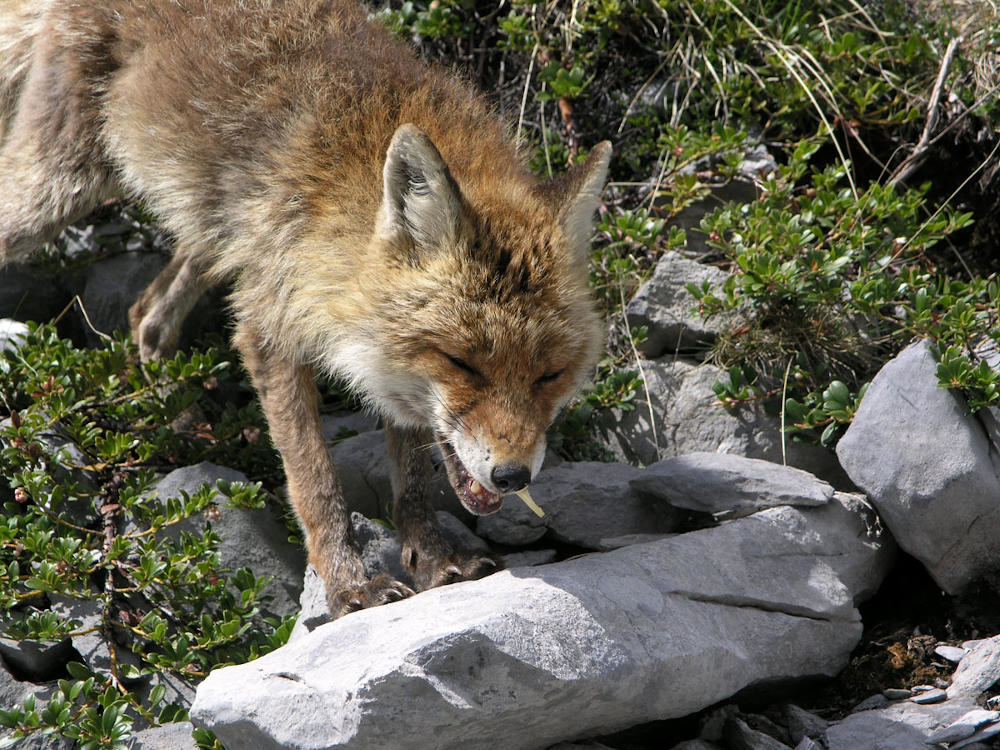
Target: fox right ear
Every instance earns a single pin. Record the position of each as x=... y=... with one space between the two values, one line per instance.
x=420 y=198
x=576 y=194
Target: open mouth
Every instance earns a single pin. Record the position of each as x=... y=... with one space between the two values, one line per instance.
x=474 y=496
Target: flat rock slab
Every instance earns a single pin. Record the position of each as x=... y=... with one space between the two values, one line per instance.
x=902 y=726
x=929 y=469
x=978 y=670
x=725 y=483
x=530 y=657
x=585 y=502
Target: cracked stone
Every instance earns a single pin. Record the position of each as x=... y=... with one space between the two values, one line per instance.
x=583 y=647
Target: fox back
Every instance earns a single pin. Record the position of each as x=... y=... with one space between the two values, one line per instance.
x=374 y=217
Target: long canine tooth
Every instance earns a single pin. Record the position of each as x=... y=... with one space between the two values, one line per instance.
x=475 y=488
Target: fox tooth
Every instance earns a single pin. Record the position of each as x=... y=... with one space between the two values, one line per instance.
x=475 y=488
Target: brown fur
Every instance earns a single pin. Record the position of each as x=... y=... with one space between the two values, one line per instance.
x=377 y=223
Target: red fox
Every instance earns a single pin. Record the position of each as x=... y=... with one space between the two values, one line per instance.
x=375 y=219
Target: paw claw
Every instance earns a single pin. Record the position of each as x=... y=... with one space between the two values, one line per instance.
x=434 y=571
x=381 y=590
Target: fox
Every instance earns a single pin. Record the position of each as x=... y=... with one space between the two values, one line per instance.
x=374 y=218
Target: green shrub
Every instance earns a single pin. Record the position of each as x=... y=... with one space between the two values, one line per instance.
x=83 y=433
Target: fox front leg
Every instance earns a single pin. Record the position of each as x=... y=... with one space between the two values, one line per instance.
x=427 y=555
x=290 y=399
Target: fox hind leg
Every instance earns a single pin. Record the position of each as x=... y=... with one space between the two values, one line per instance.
x=157 y=315
x=427 y=555
x=52 y=166
x=290 y=399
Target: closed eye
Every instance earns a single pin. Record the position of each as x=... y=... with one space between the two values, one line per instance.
x=548 y=377
x=461 y=364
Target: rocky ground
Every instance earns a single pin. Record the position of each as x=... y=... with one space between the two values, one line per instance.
x=696 y=594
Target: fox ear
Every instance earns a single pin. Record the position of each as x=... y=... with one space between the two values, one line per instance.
x=576 y=194
x=420 y=198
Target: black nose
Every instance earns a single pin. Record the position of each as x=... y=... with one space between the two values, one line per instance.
x=510 y=477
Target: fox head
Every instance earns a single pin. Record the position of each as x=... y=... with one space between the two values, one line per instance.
x=486 y=327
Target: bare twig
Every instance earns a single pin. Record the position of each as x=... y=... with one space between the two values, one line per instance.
x=919 y=153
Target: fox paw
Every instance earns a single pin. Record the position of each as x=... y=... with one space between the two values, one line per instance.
x=380 y=590
x=429 y=571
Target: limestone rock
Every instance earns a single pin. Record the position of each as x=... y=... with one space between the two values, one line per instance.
x=362 y=464
x=12 y=333
x=28 y=293
x=687 y=418
x=901 y=726
x=254 y=538
x=929 y=469
x=668 y=311
x=573 y=649
x=978 y=671
x=584 y=502
x=176 y=736
x=724 y=483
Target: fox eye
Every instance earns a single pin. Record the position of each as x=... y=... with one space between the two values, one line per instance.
x=548 y=377
x=461 y=364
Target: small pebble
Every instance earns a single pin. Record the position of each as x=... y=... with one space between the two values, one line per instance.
x=934 y=695
x=869 y=704
x=953 y=654
x=897 y=694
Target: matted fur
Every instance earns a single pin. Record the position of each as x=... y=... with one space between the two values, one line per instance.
x=371 y=212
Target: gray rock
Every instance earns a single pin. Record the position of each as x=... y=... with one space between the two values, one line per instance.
x=954 y=654
x=725 y=483
x=687 y=418
x=460 y=535
x=697 y=744
x=110 y=287
x=28 y=293
x=934 y=695
x=313 y=609
x=254 y=538
x=928 y=469
x=802 y=724
x=616 y=542
x=342 y=424
x=12 y=333
x=92 y=646
x=529 y=558
x=964 y=727
x=897 y=694
x=739 y=736
x=901 y=726
x=14 y=691
x=807 y=743
x=362 y=464
x=176 y=736
x=380 y=548
x=978 y=671
x=985 y=733
x=36 y=661
x=574 y=649
x=669 y=312
x=584 y=502
x=871 y=703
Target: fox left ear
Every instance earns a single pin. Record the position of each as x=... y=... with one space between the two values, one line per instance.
x=420 y=197
x=576 y=194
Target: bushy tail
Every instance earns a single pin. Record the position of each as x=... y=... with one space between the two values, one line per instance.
x=20 y=23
